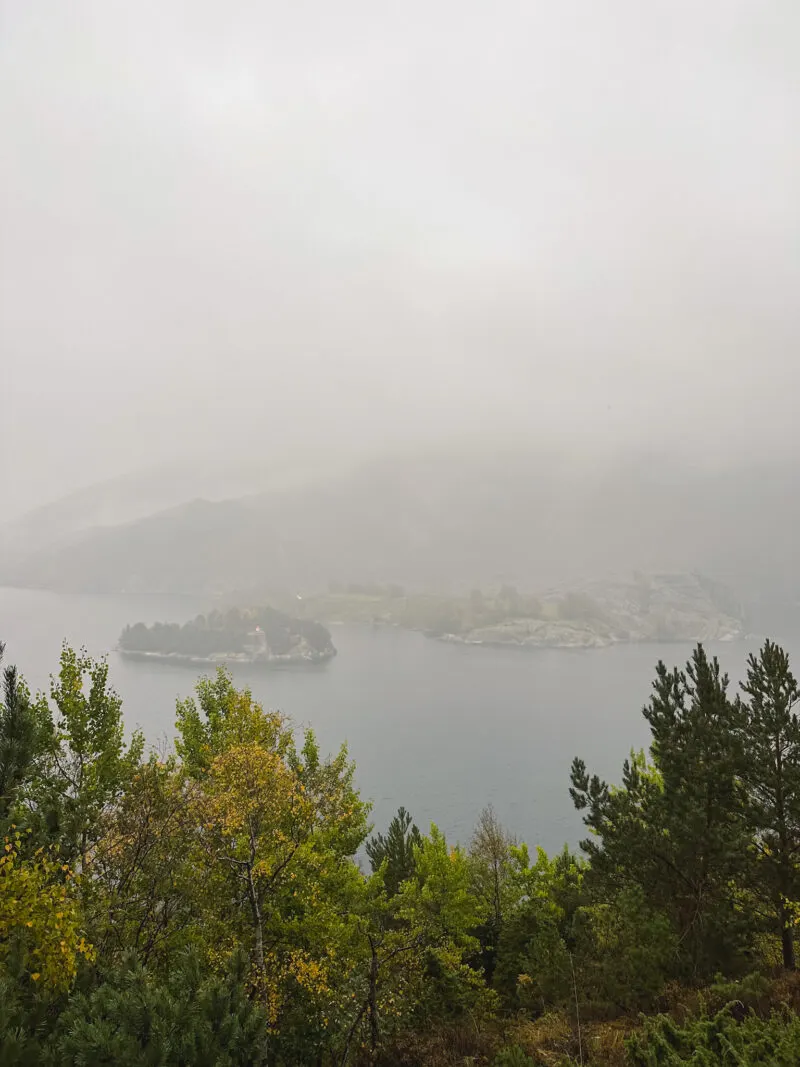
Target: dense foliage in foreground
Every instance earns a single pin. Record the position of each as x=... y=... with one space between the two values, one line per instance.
x=204 y=907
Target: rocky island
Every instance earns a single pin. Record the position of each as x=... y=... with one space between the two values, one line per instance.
x=254 y=635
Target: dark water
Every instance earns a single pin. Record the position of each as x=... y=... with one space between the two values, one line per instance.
x=440 y=728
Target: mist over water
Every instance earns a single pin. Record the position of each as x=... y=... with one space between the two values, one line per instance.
x=440 y=728
x=452 y=296
x=434 y=368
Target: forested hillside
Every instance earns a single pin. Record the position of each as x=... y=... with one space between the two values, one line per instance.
x=206 y=906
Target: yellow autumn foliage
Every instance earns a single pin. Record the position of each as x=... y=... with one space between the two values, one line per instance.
x=39 y=914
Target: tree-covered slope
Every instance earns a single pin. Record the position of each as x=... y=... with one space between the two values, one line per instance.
x=206 y=904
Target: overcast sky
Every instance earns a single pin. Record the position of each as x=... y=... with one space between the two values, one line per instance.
x=227 y=226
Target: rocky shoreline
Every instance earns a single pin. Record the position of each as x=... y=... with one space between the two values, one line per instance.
x=572 y=638
x=306 y=656
x=664 y=608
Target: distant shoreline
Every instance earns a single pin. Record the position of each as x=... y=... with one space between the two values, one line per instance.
x=671 y=608
x=229 y=659
x=596 y=645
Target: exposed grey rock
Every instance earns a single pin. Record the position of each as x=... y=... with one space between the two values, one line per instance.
x=671 y=607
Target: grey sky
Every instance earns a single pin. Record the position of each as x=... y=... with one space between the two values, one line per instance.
x=350 y=225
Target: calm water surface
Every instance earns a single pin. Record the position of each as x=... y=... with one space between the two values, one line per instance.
x=440 y=728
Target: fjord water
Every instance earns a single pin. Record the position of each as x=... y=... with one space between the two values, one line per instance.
x=440 y=728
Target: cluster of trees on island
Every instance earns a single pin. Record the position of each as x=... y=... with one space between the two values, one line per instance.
x=203 y=906
x=225 y=633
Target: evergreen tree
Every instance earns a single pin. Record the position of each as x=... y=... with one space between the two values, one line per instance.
x=397 y=849
x=677 y=827
x=23 y=736
x=190 y=1017
x=695 y=747
x=771 y=775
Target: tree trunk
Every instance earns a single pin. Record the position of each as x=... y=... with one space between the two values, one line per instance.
x=255 y=904
x=258 y=925
x=787 y=940
x=784 y=864
x=373 y=998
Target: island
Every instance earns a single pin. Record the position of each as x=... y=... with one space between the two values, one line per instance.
x=670 y=607
x=251 y=635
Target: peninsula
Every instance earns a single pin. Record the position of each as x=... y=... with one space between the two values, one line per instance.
x=595 y=614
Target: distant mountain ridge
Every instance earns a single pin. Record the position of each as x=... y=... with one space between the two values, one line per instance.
x=135 y=496
x=449 y=523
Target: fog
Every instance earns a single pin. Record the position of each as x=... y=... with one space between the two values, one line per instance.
x=318 y=230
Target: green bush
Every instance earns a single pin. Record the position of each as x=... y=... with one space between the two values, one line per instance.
x=721 y=1040
x=513 y=1057
x=191 y=1017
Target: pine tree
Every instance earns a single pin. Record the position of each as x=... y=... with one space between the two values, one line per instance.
x=696 y=750
x=397 y=849
x=23 y=735
x=771 y=775
x=677 y=827
x=189 y=1017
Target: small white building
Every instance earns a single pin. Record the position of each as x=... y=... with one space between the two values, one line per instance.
x=256 y=644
